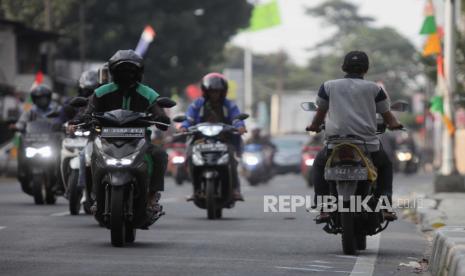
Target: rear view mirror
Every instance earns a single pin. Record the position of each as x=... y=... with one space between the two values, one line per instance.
x=179 y=119
x=78 y=102
x=241 y=117
x=165 y=102
x=309 y=106
x=53 y=114
x=400 y=106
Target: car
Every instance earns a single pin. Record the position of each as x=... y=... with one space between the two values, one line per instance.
x=288 y=153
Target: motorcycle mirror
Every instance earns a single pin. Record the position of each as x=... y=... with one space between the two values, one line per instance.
x=241 y=116
x=78 y=102
x=53 y=114
x=309 y=106
x=179 y=118
x=400 y=106
x=165 y=102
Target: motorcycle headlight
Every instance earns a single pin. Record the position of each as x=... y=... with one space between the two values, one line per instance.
x=212 y=130
x=251 y=160
x=309 y=162
x=126 y=161
x=44 y=152
x=404 y=156
x=197 y=159
x=82 y=133
x=179 y=159
x=223 y=159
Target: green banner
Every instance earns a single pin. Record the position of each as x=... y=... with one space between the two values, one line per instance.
x=265 y=16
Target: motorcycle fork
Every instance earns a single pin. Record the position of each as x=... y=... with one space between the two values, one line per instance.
x=130 y=213
x=106 y=213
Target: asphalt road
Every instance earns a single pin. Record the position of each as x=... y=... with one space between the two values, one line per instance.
x=45 y=240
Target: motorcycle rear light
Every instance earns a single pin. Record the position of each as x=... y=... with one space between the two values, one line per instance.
x=309 y=162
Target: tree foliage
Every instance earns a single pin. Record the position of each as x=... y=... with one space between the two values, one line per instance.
x=190 y=34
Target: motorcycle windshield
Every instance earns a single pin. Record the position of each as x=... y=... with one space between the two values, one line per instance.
x=253 y=148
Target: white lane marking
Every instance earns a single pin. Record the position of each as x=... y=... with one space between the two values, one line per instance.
x=61 y=214
x=321 y=266
x=299 y=268
x=2 y=227
x=315 y=270
x=365 y=264
x=171 y=199
x=321 y=262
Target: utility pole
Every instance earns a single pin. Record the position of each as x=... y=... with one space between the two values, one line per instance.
x=448 y=156
x=82 y=33
x=449 y=180
x=248 y=80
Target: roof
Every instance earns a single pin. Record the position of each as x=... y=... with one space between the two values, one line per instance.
x=23 y=31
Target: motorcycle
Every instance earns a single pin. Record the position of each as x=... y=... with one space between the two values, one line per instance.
x=121 y=168
x=211 y=165
x=406 y=161
x=309 y=154
x=40 y=141
x=177 y=166
x=71 y=148
x=254 y=167
x=349 y=173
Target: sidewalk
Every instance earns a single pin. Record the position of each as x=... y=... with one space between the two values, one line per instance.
x=444 y=213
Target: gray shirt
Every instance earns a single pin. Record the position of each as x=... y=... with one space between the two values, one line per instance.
x=351 y=104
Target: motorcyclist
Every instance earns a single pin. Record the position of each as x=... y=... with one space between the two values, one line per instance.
x=41 y=96
x=214 y=107
x=351 y=104
x=127 y=92
x=258 y=138
x=88 y=82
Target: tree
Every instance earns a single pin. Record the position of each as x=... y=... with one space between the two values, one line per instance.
x=190 y=34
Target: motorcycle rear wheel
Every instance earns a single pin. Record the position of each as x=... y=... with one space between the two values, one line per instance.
x=38 y=190
x=348 y=234
x=117 y=223
x=361 y=242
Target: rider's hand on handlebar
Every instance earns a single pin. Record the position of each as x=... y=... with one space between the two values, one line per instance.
x=71 y=128
x=182 y=130
x=314 y=128
x=242 y=130
x=395 y=126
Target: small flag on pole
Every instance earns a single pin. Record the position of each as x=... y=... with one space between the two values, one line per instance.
x=146 y=38
x=429 y=27
x=265 y=16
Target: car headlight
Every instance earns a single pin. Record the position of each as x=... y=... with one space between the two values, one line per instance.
x=404 y=156
x=197 y=159
x=309 y=162
x=178 y=159
x=44 y=152
x=251 y=160
x=212 y=130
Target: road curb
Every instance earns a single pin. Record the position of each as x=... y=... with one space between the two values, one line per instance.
x=448 y=255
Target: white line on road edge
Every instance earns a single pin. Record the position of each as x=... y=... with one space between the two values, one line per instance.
x=365 y=265
x=61 y=214
x=2 y=227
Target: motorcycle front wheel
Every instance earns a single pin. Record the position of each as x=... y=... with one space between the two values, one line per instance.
x=212 y=209
x=75 y=193
x=117 y=223
x=38 y=190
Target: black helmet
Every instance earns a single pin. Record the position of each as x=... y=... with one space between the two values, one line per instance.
x=214 y=82
x=41 y=96
x=356 y=62
x=88 y=82
x=126 y=67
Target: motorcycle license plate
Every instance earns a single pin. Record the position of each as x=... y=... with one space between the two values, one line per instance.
x=212 y=147
x=346 y=173
x=123 y=132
